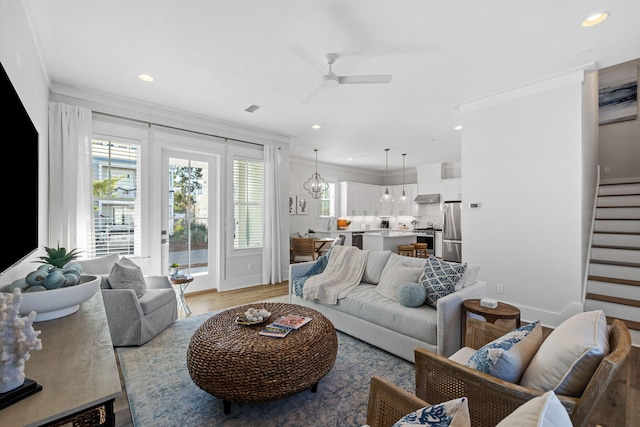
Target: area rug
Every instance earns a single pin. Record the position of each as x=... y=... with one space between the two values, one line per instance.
x=162 y=394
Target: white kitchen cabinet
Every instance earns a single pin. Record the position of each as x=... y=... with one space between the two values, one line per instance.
x=359 y=199
x=386 y=209
x=439 y=244
x=401 y=208
x=451 y=189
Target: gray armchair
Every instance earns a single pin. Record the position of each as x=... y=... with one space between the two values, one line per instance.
x=134 y=320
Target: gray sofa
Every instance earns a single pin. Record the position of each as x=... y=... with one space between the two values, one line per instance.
x=134 y=320
x=371 y=317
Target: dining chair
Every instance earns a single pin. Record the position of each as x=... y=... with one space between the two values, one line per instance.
x=303 y=249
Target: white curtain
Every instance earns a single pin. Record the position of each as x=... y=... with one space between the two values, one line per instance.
x=272 y=243
x=70 y=177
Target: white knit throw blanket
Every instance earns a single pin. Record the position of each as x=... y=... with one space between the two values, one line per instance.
x=343 y=272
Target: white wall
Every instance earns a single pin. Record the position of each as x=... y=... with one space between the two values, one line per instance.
x=522 y=157
x=20 y=60
x=620 y=144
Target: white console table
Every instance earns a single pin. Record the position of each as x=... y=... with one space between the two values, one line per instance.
x=76 y=368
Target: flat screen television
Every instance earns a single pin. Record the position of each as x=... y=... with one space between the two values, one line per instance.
x=19 y=209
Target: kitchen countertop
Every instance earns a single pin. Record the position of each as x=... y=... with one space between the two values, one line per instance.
x=373 y=230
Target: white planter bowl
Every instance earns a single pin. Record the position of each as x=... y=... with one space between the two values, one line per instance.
x=59 y=302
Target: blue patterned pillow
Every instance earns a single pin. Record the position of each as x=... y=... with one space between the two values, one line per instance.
x=454 y=413
x=317 y=268
x=508 y=356
x=440 y=278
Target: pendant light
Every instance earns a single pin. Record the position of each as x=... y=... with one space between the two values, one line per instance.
x=315 y=185
x=403 y=198
x=386 y=197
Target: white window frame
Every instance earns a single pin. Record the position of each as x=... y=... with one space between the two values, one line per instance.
x=232 y=247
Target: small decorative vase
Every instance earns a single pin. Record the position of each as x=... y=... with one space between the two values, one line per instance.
x=173 y=271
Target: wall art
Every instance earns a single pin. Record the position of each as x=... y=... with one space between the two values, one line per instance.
x=618 y=95
x=302 y=205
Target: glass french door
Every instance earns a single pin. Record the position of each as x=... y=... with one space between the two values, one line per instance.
x=187 y=230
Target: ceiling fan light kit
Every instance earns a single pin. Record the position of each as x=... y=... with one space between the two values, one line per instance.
x=330 y=80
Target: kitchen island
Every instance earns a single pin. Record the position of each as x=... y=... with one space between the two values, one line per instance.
x=387 y=240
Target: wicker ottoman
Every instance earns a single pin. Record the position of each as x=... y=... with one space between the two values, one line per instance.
x=232 y=362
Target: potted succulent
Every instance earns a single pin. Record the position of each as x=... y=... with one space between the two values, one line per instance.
x=173 y=269
x=57 y=271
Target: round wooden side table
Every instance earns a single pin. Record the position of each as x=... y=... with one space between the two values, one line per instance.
x=180 y=284
x=503 y=311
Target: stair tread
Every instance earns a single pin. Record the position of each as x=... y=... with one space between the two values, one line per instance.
x=618 y=207
x=626 y=248
x=626 y=233
x=619 y=263
x=614 y=280
x=615 y=300
x=631 y=324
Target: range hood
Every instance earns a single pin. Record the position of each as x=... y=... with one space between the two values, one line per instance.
x=427 y=198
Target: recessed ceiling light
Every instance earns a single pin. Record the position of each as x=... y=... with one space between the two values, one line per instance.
x=458 y=127
x=349 y=158
x=315 y=127
x=145 y=77
x=595 y=19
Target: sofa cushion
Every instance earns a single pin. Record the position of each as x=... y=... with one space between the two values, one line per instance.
x=125 y=274
x=541 y=411
x=376 y=260
x=569 y=356
x=440 y=278
x=394 y=276
x=153 y=299
x=508 y=356
x=101 y=265
x=411 y=294
x=454 y=413
x=469 y=277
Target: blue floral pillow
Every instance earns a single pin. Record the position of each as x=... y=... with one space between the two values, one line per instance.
x=508 y=356
x=317 y=268
x=440 y=278
x=454 y=413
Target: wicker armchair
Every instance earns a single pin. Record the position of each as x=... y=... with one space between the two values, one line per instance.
x=303 y=249
x=439 y=379
x=388 y=403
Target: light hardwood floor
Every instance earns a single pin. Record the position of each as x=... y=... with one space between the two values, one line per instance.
x=205 y=302
x=620 y=408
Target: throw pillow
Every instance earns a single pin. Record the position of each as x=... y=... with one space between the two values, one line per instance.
x=395 y=276
x=454 y=413
x=440 y=278
x=569 y=356
x=100 y=265
x=541 y=411
x=411 y=294
x=316 y=268
x=376 y=260
x=508 y=356
x=469 y=277
x=125 y=274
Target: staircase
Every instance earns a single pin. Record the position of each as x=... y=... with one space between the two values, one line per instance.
x=613 y=284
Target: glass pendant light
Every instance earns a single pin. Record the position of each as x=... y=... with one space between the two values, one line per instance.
x=386 y=197
x=315 y=185
x=403 y=198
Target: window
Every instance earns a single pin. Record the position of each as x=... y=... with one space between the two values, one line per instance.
x=328 y=200
x=247 y=204
x=116 y=206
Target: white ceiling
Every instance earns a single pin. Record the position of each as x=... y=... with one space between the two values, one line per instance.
x=215 y=58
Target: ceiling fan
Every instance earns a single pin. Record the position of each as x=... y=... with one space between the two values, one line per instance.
x=329 y=78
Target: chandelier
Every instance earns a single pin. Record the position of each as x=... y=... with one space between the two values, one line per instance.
x=403 y=198
x=316 y=185
x=386 y=197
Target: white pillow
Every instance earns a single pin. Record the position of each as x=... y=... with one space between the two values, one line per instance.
x=569 y=356
x=376 y=260
x=508 y=356
x=393 y=277
x=125 y=274
x=541 y=411
x=469 y=277
x=454 y=413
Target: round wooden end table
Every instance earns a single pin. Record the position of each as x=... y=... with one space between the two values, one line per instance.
x=503 y=311
x=233 y=363
x=180 y=285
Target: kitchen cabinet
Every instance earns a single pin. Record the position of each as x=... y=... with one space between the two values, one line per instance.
x=402 y=208
x=451 y=189
x=359 y=199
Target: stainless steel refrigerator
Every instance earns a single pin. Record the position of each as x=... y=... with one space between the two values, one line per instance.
x=452 y=232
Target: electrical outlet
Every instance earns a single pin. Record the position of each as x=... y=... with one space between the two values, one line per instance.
x=499 y=288
x=607 y=169
x=249 y=266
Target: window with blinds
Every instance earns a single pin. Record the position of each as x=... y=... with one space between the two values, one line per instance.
x=247 y=203
x=116 y=206
x=328 y=200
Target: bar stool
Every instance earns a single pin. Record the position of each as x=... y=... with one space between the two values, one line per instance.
x=407 y=250
x=421 y=250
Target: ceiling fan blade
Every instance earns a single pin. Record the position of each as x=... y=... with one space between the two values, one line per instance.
x=314 y=94
x=383 y=78
x=306 y=57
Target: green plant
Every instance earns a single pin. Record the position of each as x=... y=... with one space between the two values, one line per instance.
x=174 y=265
x=58 y=257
